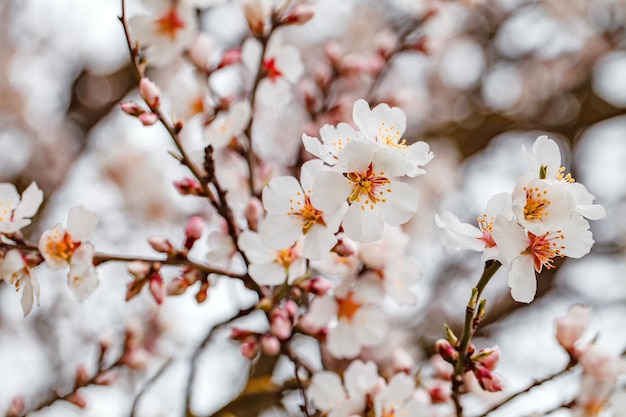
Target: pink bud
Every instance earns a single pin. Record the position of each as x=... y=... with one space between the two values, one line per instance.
x=440 y=392
x=299 y=15
x=385 y=42
x=139 y=269
x=136 y=358
x=157 y=288
x=16 y=409
x=280 y=325
x=489 y=357
x=203 y=293
x=160 y=244
x=201 y=49
x=257 y=13
x=193 y=230
x=292 y=309
x=82 y=377
x=270 y=344
x=188 y=186
x=150 y=93
x=106 y=379
x=254 y=212
x=345 y=247
x=240 y=334
x=488 y=380
x=76 y=399
x=318 y=286
x=177 y=286
x=250 y=348
x=334 y=53
x=446 y=350
x=134 y=288
x=570 y=328
x=148 y=119
x=131 y=108
x=230 y=57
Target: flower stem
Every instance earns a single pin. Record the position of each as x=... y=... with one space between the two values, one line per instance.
x=469 y=327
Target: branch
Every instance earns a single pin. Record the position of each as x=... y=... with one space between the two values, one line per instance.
x=149 y=384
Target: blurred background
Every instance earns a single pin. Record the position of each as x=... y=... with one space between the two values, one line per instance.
x=482 y=78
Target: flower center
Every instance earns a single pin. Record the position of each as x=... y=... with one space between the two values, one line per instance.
x=563 y=177
x=368 y=187
x=309 y=215
x=61 y=247
x=391 y=136
x=170 y=23
x=5 y=210
x=286 y=257
x=536 y=204
x=544 y=249
x=486 y=228
x=272 y=71
x=347 y=307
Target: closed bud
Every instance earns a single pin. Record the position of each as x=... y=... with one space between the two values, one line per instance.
x=131 y=108
x=77 y=399
x=177 y=286
x=193 y=230
x=292 y=309
x=134 y=288
x=139 y=269
x=107 y=378
x=446 y=350
x=346 y=247
x=188 y=186
x=16 y=409
x=440 y=392
x=489 y=358
x=318 y=285
x=161 y=244
x=334 y=53
x=239 y=334
x=257 y=13
x=203 y=292
x=270 y=344
x=401 y=361
x=148 y=118
x=157 y=288
x=230 y=57
x=201 y=49
x=82 y=377
x=150 y=92
x=250 y=348
x=136 y=358
x=488 y=380
x=254 y=212
x=299 y=15
x=569 y=329
x=280 y=325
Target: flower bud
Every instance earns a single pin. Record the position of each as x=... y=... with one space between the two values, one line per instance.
x=318 y=285
x=239 y=334
x=134 y=288
x=76 y=399
x=570 y=328
x=148 y=118
x=488 y=380
x=150 y=93
x=193 y=230
x=16 y=409
x=488 y=357
x=299 y=15
x=136 y=358
x=440 y=392
x=292 y=309
x=446 y=350
x=250 y=348
x=280 y=325
x=188 y=186
x=82 y=377
x=201 y=49
x=401 y=361
x=254 y=212
x=157 y=288
x=107 y=378
x=346 y=247
x=203 y=292
x=160 y=244
x=230 y=57
x=257 y=13
x=333 y=52
x=177 y=286
x=270 y=344
x=131 y=108
x=139 y=269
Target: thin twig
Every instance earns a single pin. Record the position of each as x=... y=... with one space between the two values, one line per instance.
x=200 y=348
x=538 y=382
x=298 y=363
x=148 y=384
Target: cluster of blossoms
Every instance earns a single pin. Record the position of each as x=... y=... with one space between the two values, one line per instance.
x=542 y=219
x=59 y=247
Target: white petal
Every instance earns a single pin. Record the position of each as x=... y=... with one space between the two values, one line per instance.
x=280 y=231
x=522 y=279
x=369 y=326
x=254 y=248
x=308 y=173
x=322 y=310
x=330 y=191
x=341 y=341
x=510 y=237
x=326 y=390
x=357 y=155
x=82 y=278
x=400 y=388
x=577 y=239
x=401 y=204
x=363 y=225
x=251 y=54
x=81 y=222
x=362 y=116
x=318 y=242
x=459 y=235
x=297 y=269
x=282 y=195
x=32 y=197
x=288 y=61
x=268 y=274
x=48 y=247
x=360 y=378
